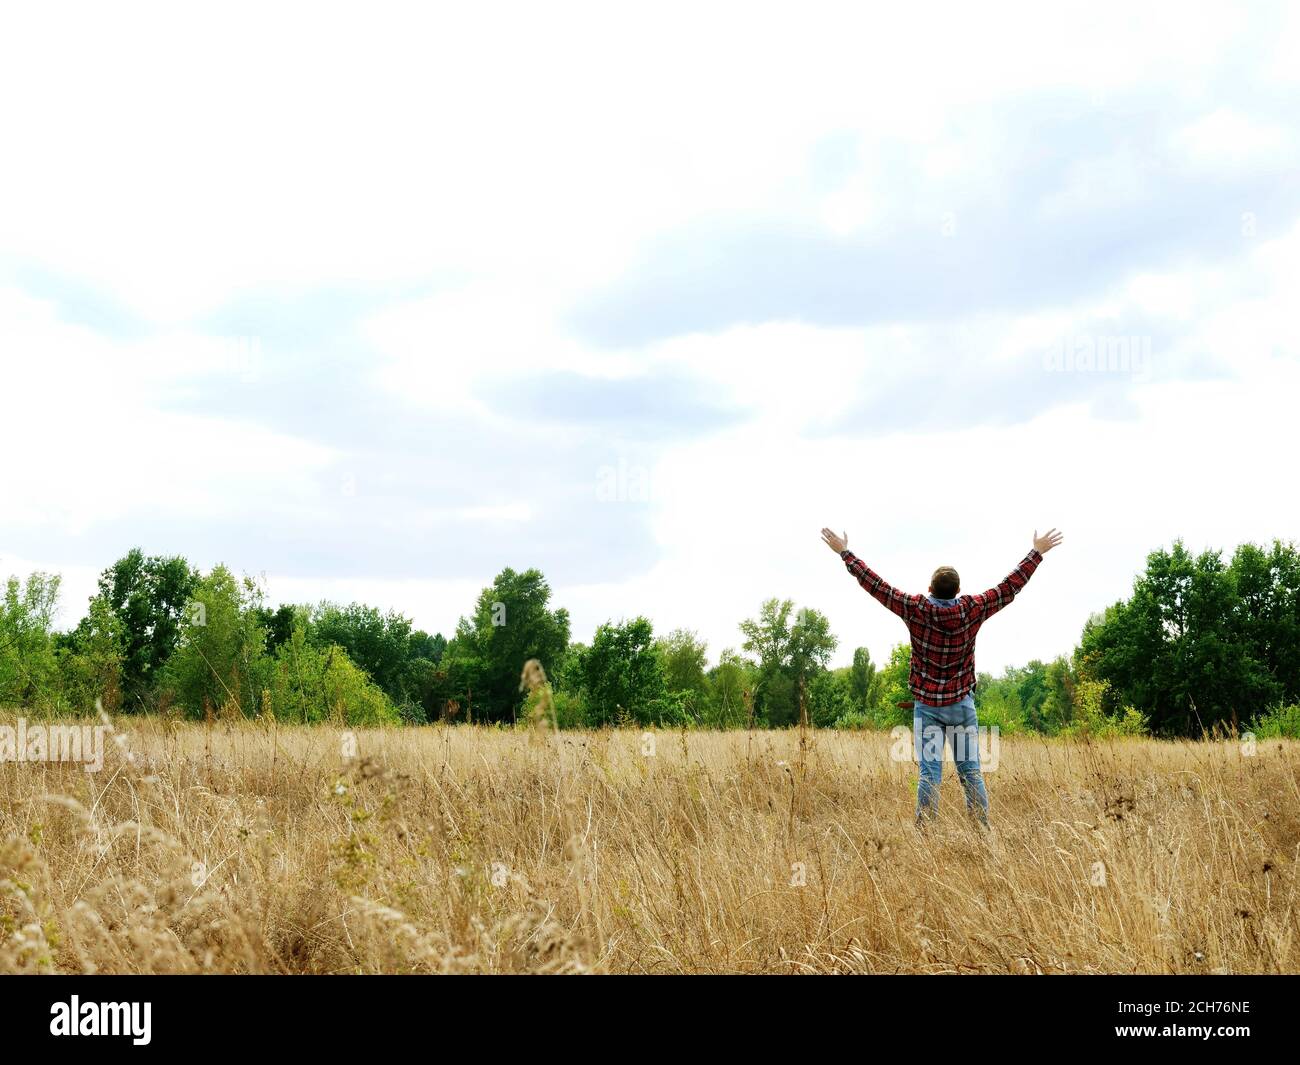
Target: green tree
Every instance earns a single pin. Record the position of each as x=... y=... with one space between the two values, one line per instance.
x=429 y=648
x=512 y=622
x=1031 y=689
x=1266 y=614
x=623 y=677
x=998 y=702
x=28 y=663
x=90 y=660
x=685 y=659
x=792 y=649
x=831 y=697
x=311 y=684
x=387 y=646
x=149 y=595
x=731 y=691
x=811 y=646
x=894 y=689
x=1057 y=710
x=864 y=681
x=1199 y=643
x=220 y=661
x=278 y=624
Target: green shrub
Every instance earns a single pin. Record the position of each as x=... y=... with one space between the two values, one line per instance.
x=1282 y=722
x=1091 y=719
x=310 y=684
x=830 y=697
x=91 y=661
x=1003 y=714
x=220 y=661
x=412 y=713
x=854 y=719
x=667 y=711
x=622 y=673
x=28 y=663
x=569 y=707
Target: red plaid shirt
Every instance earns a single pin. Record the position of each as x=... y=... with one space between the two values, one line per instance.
x=943 y=636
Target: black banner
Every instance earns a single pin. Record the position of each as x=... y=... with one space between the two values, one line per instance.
x=332 y=1014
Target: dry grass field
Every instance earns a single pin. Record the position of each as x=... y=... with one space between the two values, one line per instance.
x=252 y=847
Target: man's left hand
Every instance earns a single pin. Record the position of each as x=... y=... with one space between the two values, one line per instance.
x=837 y=544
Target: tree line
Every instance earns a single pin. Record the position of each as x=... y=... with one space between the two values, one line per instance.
x=1201 y=645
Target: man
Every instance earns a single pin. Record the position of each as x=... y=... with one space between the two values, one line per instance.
x=943 y=626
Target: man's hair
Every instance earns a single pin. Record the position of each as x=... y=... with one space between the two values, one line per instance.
x=945 y=583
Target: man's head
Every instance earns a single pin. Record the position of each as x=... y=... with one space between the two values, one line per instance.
x=945 y=584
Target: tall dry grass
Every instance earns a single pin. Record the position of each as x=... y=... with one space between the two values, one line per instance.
x=473 y=850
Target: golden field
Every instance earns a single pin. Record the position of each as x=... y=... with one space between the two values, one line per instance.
x=254 y=847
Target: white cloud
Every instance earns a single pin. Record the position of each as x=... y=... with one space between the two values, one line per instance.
x=490 y=165
x=97 y=443
x=174 y=158
x=1227 y=138
x=738 y=515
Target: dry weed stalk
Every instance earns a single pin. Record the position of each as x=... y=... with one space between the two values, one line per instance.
x=244 y=846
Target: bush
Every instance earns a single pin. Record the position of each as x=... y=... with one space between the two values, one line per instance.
x=1282 y=722
x=668 y=711
x=91 y=661
x=1003 y=714
x=311 y=684
x=221 y=659
x=28 y=666
x=569 y=707
x=411 y=713
x=622 y=674
x=1090 y=719
x=731 y=688
x=830 y=697
x=887 y=715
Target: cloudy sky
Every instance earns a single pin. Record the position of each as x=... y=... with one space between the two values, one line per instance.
x=376 y=300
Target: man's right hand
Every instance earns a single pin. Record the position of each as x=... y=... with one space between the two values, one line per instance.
x=835 y=543
x=1049 y=539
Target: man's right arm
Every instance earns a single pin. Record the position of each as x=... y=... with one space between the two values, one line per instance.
x=904 y=606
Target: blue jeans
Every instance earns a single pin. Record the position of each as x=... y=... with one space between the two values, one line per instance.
x=933 y=727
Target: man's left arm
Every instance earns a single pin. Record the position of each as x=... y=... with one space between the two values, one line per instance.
x=1001 y=594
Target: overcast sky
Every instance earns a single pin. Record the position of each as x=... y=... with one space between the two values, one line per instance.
x=378 y=302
